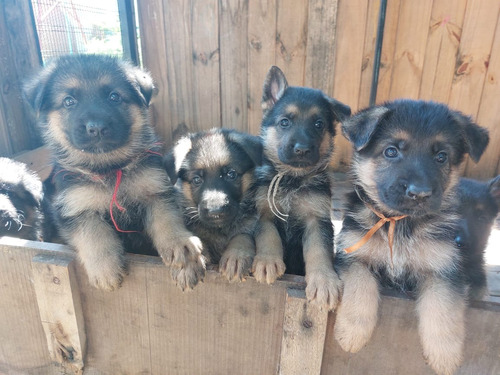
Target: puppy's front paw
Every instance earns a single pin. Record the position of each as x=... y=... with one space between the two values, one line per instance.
x=107 y=274
x=352 y=332
x=267 y=268
x=188 y=276
x=323 y=288
x=181 y=250
x=235 y=264
x=444 y=361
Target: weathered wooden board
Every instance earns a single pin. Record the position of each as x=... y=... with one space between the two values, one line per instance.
x=395 y=345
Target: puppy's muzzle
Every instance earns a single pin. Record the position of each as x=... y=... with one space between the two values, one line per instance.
x=215 y=207
x=96 y=129
x=418 y=192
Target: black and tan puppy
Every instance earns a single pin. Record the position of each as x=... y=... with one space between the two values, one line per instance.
x=215 y=171
x=293 y=198
x=479 y=203
x=110 y=181
x=21 y=202
x=401 y=222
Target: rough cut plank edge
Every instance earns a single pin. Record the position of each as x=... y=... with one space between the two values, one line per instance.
x=304 y=332
x=60 y=309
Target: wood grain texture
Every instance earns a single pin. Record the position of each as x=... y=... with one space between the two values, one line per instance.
x=351 y=28
x=445 y=32
x=411 y=40
x=291 y=39
x=304 y=330
x=234 y=63
x=20 y=58
x=60 y=309
x=261 y=55
x=395 y=345
x=488 y=116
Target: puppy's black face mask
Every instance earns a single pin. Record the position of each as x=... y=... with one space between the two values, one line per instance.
x=408 y=154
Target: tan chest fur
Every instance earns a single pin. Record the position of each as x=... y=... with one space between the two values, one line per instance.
x=418 y=254
x=138 y=187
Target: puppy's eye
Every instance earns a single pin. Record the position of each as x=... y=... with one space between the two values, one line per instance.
x=231 y=174
x=319 y=124
x=197 y=181
x=284 y=123
x=441 y=157
x=115 y=97
x=69 y=101
x=391 y=152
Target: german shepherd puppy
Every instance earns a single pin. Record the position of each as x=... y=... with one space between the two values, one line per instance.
x=21 y=202
x=293 y=197
x=215 y=171
x=110 y=182
x=401 y=222
x=478 y=208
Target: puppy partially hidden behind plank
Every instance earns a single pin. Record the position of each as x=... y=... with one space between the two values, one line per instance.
x=110 y=183
x=401 y=222
x=478 y=208
x=214 y=171
x=22 y=207
x=295 y=231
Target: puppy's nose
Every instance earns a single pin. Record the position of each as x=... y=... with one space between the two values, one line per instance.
x=418 y=192
x=301 y=149
x=95 y=128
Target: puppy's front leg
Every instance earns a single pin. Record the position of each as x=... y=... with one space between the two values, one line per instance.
x=237 y=258
x=323 y=284
x=357 y=313
x=99 y=248
x=176 y=245
x=441 y=310
x=268 y=264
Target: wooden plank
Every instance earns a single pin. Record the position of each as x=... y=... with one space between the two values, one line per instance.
x=320 y=50
x=304 y=330
x=116 y=322
x=261 y=55
x=20 y=57
x=388 y=48
x=218 y=328
x=445 y=31
x=206 y=64
x=395 y=345
x=37 y=160
x=411 y=40
x=480 y=21
x=154 y=55
x=351 y=27
x=60 y=309
x=291 y=39
x=23 y=347
x=489 y=116
x=372 y=19
x=233 y=64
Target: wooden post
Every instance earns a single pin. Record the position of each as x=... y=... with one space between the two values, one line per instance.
x=304 y=331
x=60 y=308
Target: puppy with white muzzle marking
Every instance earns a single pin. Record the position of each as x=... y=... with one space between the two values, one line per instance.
x=214 y=173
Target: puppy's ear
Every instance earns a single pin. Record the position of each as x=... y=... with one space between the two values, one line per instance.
x=359 y=128
x=173 y=161
x=494 y=187
x=251 y=144
x=476 y=138
x=275 y=85
x=142 y=82
x=34 y=89
x=340 y=110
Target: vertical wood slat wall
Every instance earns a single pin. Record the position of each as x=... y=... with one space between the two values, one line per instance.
x=209 y=59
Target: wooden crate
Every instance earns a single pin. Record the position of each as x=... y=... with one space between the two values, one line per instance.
x=149 y=326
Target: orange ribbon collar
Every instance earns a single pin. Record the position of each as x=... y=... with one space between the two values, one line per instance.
x=375 y=228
